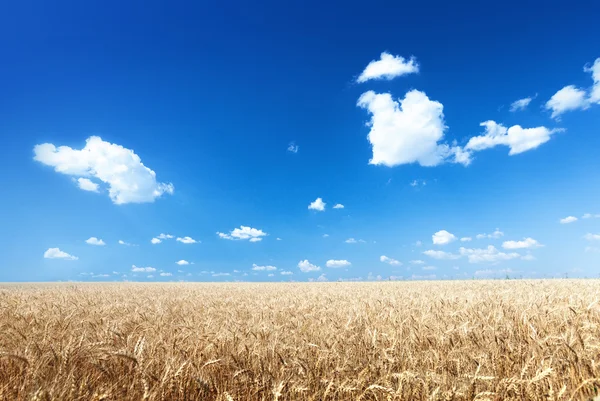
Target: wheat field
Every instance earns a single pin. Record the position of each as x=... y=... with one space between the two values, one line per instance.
x=453 y=340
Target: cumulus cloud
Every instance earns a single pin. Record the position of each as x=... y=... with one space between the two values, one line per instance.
x=568 y=98
x=337 y=263
x=520 y=104
x=338 y=206
x=155 y=241
x=244 y=233
x=322 y=278
x=95 y=241
x=354 y=241
x=443 y=237
x=317 y=205
x=292 y=147
x=388 y=67
x=286 y=273
x=158 y=239
x=408 y=130
x=466 y=239
x=128 y=180
x=568 y=219
x=572 y=98
x=136 y=269
x=441 y=255
x=495 y=235
x=187 y=240
x=305 y=266
x=56 y=253
x=592 y=237
x=518 y=139
x=489 y=254
x=183 y=262
x=526 y=243
x=121 y=242
x=87 y=185
x=389 y=261
x=263 y=268
x=166 y=274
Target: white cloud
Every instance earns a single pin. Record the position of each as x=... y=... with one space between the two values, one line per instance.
x=128 y=180
x=101 y=275
x=389 y=261
x=278 y=239
x=183 y=262
x=525 y=243
x=567 y=99
x=594 y=96
x=136 y=269
x=286 y=273
x=388 y=67
x=466 y=239
x=166 y=274
x=158 y=239
x=221 y=274
x=338 y=206
x=337 y=263
x=87 y=185
x=165 y=236
x=416 y=183
x=318 y=205
x=443 y=237
x=518 y=139
x=305 y=266
x=495 y=235
x=417 y=262
x=187 y=240
x=243 y=233
x=429 y=268
x=592 y=237
x=408 y=131
x=263 y=268
x=528 y=257
x=441 y=255
x=325 y=235
x=150 y=276
x=520 y=104
x=155 y=241
x=354 y=241
x=489 y=254
x=56 y=253
x=270 y=275
x=95 y=241
x=322 y=278
x=568 y=219
x=292 y=147
x=425 y=277
x=121 y=242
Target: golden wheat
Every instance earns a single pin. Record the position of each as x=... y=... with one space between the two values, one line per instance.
x=477 y=340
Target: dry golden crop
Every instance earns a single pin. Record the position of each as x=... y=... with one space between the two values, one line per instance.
x=461 y=340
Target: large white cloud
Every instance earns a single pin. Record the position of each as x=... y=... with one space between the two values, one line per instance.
x=305 y=266
x=317 y=205
x=243 y=233
x=525 y=243
x=518 y=139
x=337 y=263
x=594 y=96
x=389 y=261
x=128 y=180
x=56 y=253
x=388 y=67
x=408 y=131
x=489 y=254
x=443 y=237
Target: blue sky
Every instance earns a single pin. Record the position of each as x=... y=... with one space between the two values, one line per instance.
x=249 y=113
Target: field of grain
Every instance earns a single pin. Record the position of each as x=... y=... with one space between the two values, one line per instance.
x=461 y=340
